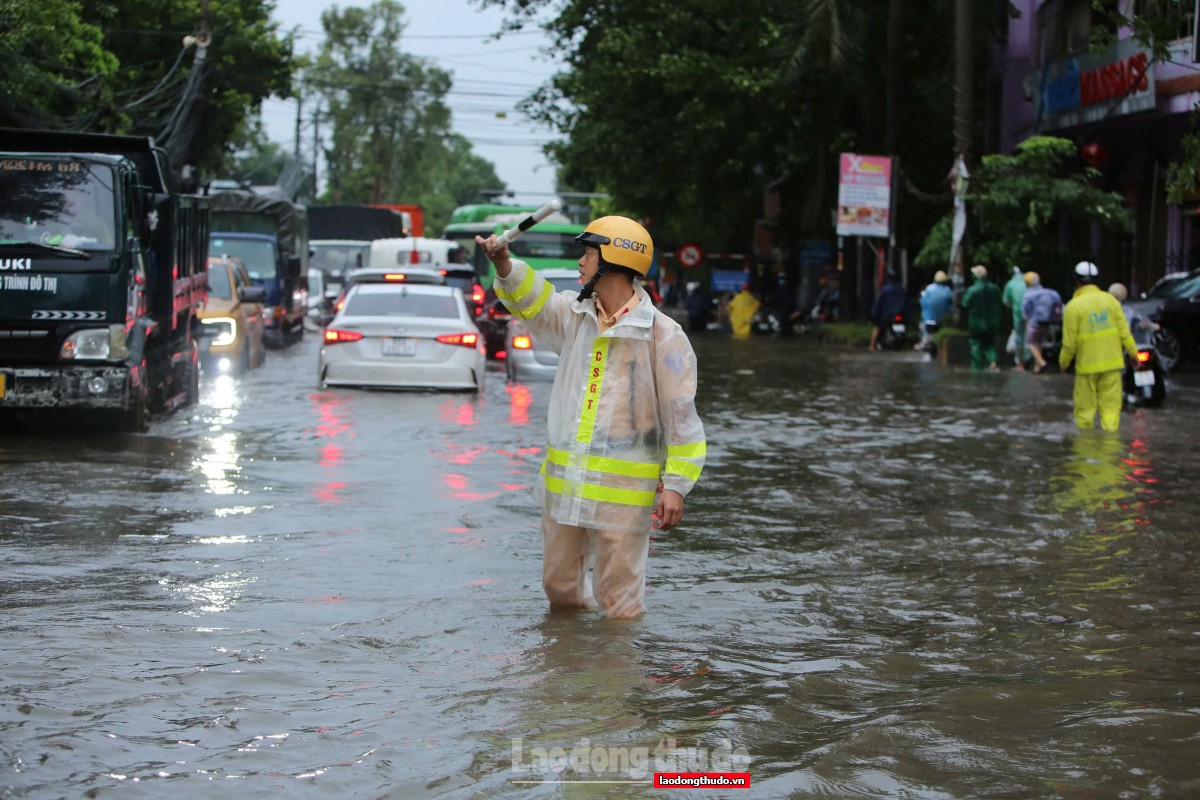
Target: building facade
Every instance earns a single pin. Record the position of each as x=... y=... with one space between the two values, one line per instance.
x=1126 y=113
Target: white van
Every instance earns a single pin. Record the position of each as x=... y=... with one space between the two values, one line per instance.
x=389 y=253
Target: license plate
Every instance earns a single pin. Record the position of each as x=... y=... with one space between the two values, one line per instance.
x=1143 y=377
x=399 y=347
x=897 y=328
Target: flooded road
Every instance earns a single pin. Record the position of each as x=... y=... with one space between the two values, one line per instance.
x=892 y=580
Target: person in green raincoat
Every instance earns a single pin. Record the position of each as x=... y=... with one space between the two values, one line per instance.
x=1011 y=297
x=982 y=302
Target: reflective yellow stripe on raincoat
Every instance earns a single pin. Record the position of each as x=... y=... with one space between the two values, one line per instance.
x=1094 y=332
x=622 y=413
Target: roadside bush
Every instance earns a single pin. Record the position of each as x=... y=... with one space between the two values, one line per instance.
x=854 y=334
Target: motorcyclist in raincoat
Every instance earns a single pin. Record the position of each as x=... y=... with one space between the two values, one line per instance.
x=625 y=444
x=742 y=309
x=1096 y=337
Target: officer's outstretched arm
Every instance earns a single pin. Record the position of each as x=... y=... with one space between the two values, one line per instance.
x=531 y=298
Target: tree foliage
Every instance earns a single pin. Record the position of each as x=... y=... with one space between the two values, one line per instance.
x=53 y=63
x=122 y=67
x=1014 y=200
x=686 y=112
x=391 y=138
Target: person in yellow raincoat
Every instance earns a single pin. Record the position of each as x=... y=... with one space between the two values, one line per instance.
x=742 y=309
x=1095 y=335
x=625 y=444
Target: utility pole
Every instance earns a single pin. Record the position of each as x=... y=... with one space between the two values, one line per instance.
x=316 y=146
x=962 y=77
x=299 y=110
x=895 y=69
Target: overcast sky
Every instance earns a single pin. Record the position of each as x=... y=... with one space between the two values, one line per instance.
x=489 y=77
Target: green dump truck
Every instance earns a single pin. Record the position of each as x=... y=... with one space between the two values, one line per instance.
x=102 y=271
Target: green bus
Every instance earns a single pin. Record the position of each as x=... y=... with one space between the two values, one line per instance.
x=549 y=245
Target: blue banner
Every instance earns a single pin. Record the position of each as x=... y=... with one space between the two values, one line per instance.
x=727 y=280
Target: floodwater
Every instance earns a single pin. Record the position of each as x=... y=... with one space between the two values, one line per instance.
x=894 y=580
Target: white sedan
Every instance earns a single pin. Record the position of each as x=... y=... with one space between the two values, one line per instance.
x=400 y=335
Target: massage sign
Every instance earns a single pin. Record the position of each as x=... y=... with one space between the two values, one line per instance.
x=1087 y=88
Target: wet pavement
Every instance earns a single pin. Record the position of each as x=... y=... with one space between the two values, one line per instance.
x=893 y=580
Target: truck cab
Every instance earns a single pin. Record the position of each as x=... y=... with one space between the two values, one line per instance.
x=269 y=235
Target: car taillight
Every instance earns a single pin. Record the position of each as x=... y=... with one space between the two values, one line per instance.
x=522 y=343
x=498 y=311
x=395 y=276
x=1143 y=356
x=477 y=294
x=334 y=336
x=464 y=339
x=899 y=318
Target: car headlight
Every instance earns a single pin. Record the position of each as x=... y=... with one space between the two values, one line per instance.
x=91 y=344
x=222 y=329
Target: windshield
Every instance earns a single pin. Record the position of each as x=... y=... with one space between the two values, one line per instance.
x=393 y=302
x=63 y=202
x=257 y=254
x=1176 y=289
x=338 y=259
x=546 y=245
x=218 y=283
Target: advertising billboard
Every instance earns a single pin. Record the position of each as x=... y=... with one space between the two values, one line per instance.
x=864 y=196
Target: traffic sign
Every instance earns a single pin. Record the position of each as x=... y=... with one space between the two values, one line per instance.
x=690 y=255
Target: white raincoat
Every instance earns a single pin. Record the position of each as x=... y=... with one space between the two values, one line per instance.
x=622 y=411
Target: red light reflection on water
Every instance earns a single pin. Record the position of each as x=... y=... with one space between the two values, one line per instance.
x=458 y=488
x=457 y=413
x=330 y=492
x=519 y=402
x=460 y=456
x=330 y=454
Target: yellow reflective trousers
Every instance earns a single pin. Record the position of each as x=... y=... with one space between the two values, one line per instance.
x=1098 y=391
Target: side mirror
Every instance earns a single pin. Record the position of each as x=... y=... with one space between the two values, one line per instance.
x=252 y=294
x=293 y=267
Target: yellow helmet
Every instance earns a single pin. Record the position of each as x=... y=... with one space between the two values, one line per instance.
x=1032 y=278
x=622 y=243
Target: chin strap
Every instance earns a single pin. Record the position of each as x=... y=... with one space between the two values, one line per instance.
x=588 y=289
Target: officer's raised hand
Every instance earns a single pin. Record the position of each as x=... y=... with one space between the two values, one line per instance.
x=497 y=253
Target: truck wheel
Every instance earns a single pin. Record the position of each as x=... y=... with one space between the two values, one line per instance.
x=137 y=418
x=189 y=374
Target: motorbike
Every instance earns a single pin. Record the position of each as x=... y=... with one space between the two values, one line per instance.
x=928 y=342
x=1142 y=381
x=893 y=334
x=767 y=321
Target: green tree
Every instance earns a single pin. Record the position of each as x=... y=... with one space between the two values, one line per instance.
x=1014 y=199
x=247 y=61
x=54 y=67
x=668 y=105
x=122 y=67
x=686 y=112
x=391 y=139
